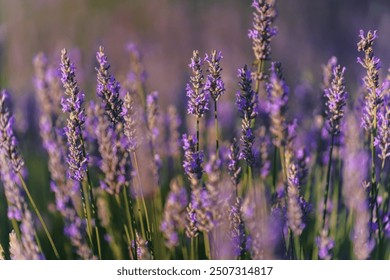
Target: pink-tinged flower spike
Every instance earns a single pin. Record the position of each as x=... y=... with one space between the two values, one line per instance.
x=336 y=100
x=246 y=101
x=382 y=140
x=73 y=104
x=278 y=98
x=371 y=63
x=108 y=89
x=198 y=98
x=263 y=29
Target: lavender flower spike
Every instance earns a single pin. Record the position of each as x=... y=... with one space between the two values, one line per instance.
x=192 y=159
x=73 y=104
x=234 y=165
x=246 y=101
x=214 y=84
x=263 y=31
x=278 y=97
x=108 y=89
x=8 y=142
x=382 y=140
x=335 y=100
x=371 y=63
x=198 y=97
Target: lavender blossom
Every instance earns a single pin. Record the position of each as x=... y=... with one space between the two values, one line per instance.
x=325 y=245
x=295 y=204
x=191 y=226
x=192 y=159
x=108 y=89
x=73 y=104
x=237 y=228
x=214 y=86
x=174 y=214
x=263 y=29
x=278 y=98
x=112 y=158
x=246 y=101
x=198 y=97
x=371 y=63
x=8 y=142
x=143 y=252
x=382 y=140
x=130 y=122
x=234 y=165
x=335 y=100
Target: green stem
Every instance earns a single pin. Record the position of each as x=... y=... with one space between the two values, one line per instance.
x=327 y=182
x=260 y=65
x=53 y=246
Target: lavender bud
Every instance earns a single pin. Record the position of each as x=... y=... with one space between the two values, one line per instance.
x=371 y=63
x=130 y=122
x=335 y=100
x=246 y=101
x=191 y=226
x=237 y=227
x=192 y=159
x=278 y=98
x=73 y=104
x=382 y=140
x=214 y=84
x=198 y=98
x=142 y=248
x=108 y=89
x=263 y=29
x=325 y=245
x=234 y=165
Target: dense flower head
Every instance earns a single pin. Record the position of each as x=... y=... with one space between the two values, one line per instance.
x=108 y=89
x=192 y=159
x=8 y=142
x=246 y=101
x=277 y=105
x=214 y=84
x=371 y=63
x=130 y=122
x=263 y=29
x=382 y=140
x=73 y=104
x=198 y=98
x=336 y=100
x=234 y=164
x=325 y=245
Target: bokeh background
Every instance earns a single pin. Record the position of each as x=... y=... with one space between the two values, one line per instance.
x=166 y=32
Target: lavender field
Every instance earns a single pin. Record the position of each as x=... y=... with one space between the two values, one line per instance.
x=194 y=130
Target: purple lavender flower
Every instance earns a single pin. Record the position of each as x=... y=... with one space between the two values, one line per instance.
x=263 y=31
x=174 y=214
x=382 y=140
x=8 y=142
x=214 y=86
x=325 y=245
x=198 y=98
x=278 y=98
x=112 y=158
x=335 y=100
x=237 y=228
x=130 y=122
x=108 y=89
x=73 y=104
x=234 y=165
x=371 y=63
x=295 y=202
x=191 y=226
x=192 y=159
x=246 y=101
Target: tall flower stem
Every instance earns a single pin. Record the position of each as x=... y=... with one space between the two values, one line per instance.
x=328 y=174
x=53 y=246
x=260 y=66
x=197 y=133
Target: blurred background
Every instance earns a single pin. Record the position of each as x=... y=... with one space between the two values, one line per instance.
x=166 y=32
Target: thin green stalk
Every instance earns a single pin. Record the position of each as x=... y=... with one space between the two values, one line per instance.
x=297 y=247
x=274 y=168
x=327 y=182
x=192 y=250
x=207 y=244
x=260 y=66
x=137 y=170
x=53 y=246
